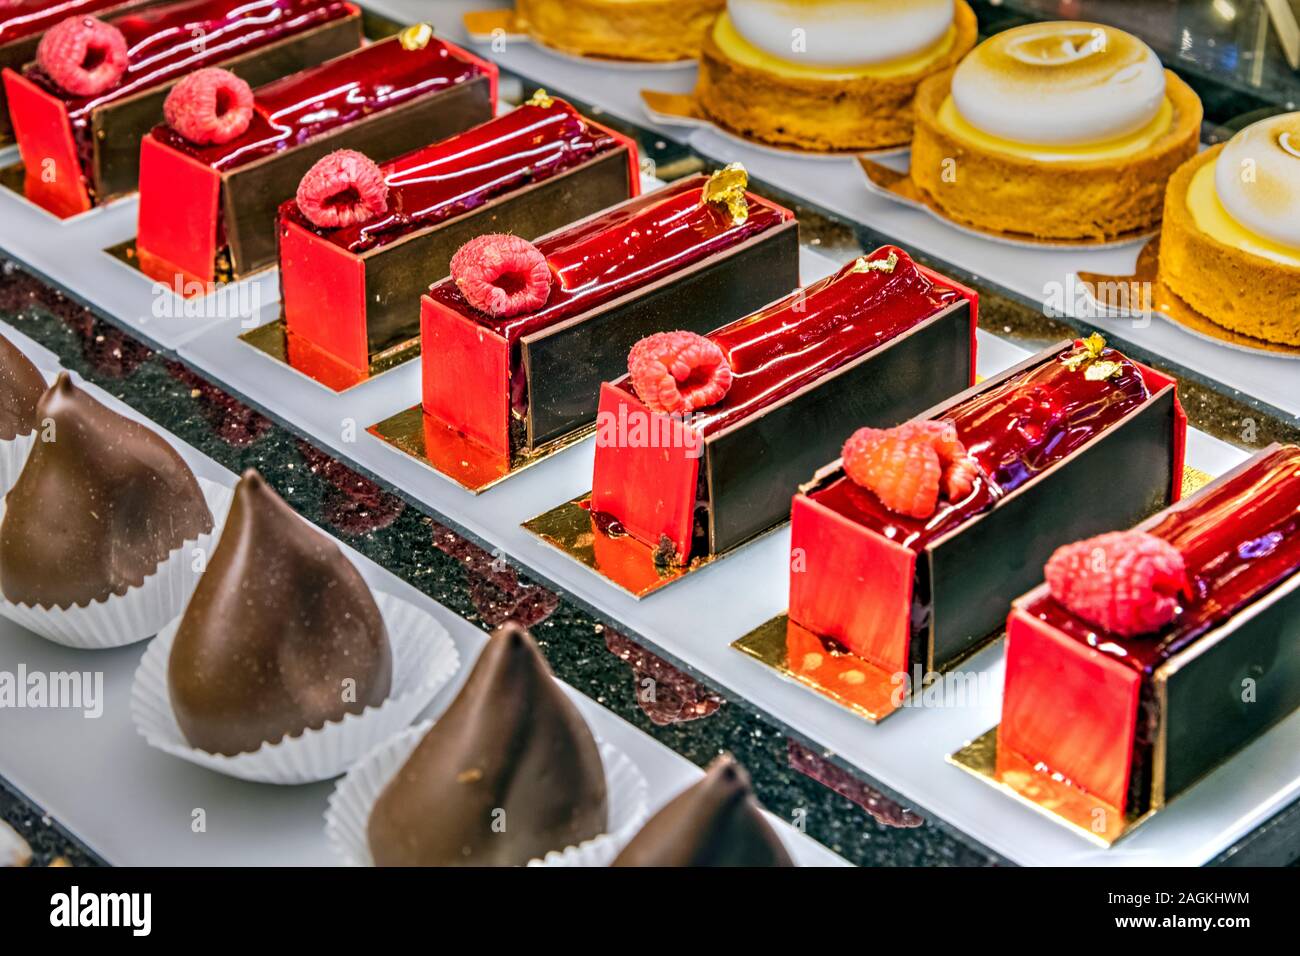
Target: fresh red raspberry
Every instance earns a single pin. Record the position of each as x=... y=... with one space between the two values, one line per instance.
x=345 y=188
x=678 y=372
x=83 y=55
x=908 y=466
x=502 y=275
x=209 y=106
x=959 y=479
x=900 y=466
x=1125 y=582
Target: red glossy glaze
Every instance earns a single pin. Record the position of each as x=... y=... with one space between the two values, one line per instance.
x=624 y=250
x=163 y=44
x=298 y=108
x=1239 y=539
x=777 y=351
x=1067 y=711
x=461 y=173
x=1015 y=431
x=24 y=18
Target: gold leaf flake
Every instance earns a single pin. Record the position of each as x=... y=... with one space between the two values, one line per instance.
x=726 y=188
x=863 y=264
x=416 y=36
x=1100 y=371
x=1090 y=350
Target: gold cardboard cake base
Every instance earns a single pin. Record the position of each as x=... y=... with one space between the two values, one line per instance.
x=125 y=253
x=274 y=341
x=615 y=555
x=899 y=187
x=1054 y=797
x=1116 y=294
x=12 y=178
x=452 y=455
x=825 y=666
x=1194 y=480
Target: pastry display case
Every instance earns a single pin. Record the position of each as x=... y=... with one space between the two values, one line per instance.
x=943 y=394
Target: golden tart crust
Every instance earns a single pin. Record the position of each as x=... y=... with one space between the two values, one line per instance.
x=648 y=30
x=830 y=115
x=1229 y=286
x=1064 y=200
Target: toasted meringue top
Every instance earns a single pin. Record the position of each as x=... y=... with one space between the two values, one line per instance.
x=1257 y=177
x=841 y=33
x=1066 y=83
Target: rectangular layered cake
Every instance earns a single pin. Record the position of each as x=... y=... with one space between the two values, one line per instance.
x=690 y=254
x=80 y=150
x=23 y=22
x=913 y=545
x=1136 y=672
x=208 y=211
x=352 y=291
x=878 y=341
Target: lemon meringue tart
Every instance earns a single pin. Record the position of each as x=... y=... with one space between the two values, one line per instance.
x=827 y=75
x=649 y=30
x=1230 y=246
x=1057 y=131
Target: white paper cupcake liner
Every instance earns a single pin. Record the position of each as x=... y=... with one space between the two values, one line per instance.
x=348 y=815
x=13 y=456
x=424 y=660
x=142 y=611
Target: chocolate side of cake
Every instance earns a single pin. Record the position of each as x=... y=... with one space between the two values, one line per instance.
x=1123 y=475
x=399 y=273
x=251 y=194
x=566 y=364
x=752 y=470
x=119 y=126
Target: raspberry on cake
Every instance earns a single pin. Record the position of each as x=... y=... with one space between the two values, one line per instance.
x=83 y=55
x=81 y=111
x=1126 y=670
x=1128 y=582
x=1064 y=131
x=907 y=466
x=753 y=407
x=498 y=389
x=915 y=542
x=348 y=290
x=678 y=372
x=345 y=188
x=24 y=22
x=315 y=135
x=1230 y=247
x=503 y=276
x=834 y=76
x=209 y=106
